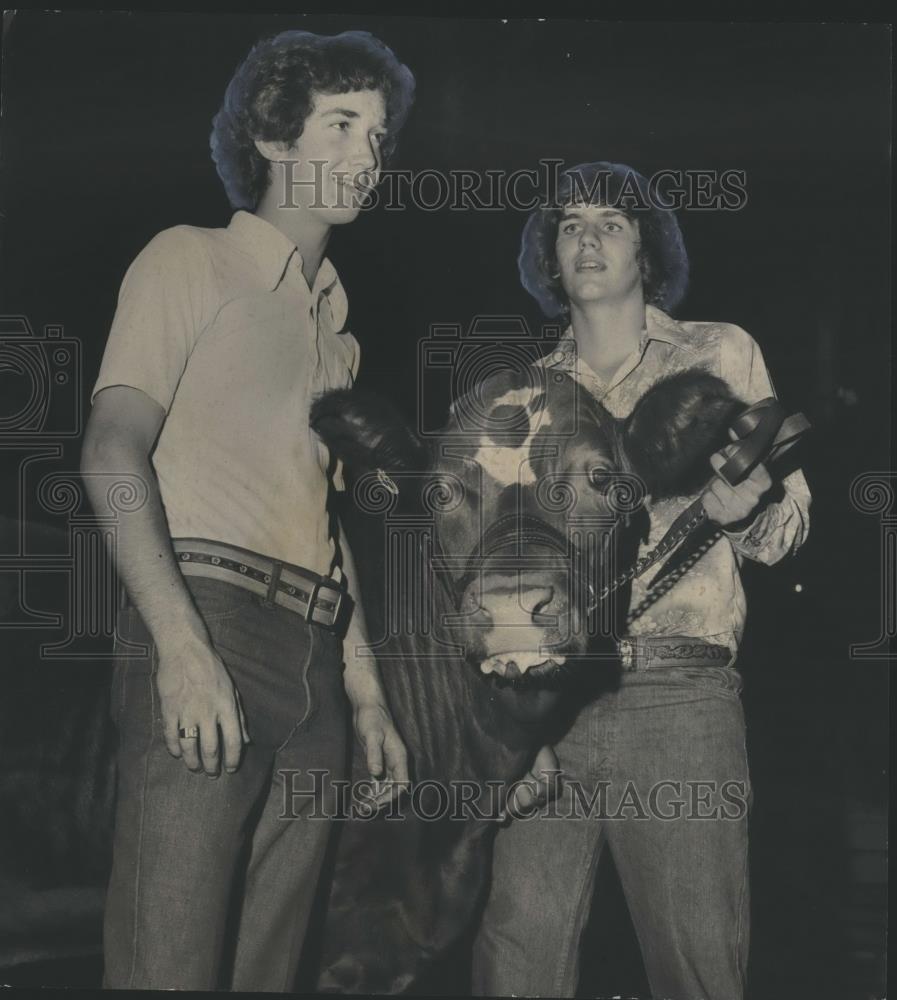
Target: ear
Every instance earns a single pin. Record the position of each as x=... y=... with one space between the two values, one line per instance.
x=275 y=151
x=675 y=427
x=367 y=432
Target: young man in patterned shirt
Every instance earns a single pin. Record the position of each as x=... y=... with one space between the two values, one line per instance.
x=666 y=749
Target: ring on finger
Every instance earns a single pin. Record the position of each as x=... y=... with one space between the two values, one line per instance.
x=189 y=734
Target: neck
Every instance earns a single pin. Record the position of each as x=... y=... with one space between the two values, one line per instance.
x=607 y=332
x=300 y=226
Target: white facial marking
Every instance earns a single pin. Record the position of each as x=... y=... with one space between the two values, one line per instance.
x=503 y=463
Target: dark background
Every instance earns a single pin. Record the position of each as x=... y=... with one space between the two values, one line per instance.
x=105 y=142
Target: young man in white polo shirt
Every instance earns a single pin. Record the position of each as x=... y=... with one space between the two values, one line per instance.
x=221 y=339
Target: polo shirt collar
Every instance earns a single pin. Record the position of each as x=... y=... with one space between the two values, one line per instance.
x=271 y=250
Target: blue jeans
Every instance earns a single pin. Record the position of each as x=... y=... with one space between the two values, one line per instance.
x=211 y=886
x=663 y=761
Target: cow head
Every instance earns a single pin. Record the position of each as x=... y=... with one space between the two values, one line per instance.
x=538 y=485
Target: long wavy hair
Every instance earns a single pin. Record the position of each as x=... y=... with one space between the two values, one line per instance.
x=661 y=255
x=272 y=93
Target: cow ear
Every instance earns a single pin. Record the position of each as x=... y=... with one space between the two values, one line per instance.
x=673 y=430
x=366 y=431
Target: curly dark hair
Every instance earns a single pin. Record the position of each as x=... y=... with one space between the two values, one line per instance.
x=272 y=92
x=661 y=257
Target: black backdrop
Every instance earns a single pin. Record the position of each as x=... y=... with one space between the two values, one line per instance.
x=105 y=142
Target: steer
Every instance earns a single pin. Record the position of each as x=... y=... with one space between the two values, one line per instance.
x=538 y=494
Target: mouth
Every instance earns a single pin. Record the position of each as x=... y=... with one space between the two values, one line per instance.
x=354 y=194
x=515 y=664
x=590 y=264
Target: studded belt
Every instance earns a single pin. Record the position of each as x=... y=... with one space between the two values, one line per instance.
x=319 y=599
x=659 y=652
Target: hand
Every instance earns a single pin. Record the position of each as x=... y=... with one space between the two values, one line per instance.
x=538 y=786
x=387 y=759
x=727 y=505
x=195 y=689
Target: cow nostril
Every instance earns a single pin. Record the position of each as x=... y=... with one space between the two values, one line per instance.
x=538 y=617
x=537 y=607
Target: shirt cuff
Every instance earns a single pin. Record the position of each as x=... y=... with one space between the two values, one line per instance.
x=753 y=536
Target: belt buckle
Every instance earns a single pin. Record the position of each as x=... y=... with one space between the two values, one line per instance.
x=312 y=600
x=626 y=651
x=338 y=600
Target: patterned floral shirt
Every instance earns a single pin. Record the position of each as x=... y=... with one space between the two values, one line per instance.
x=708 y=601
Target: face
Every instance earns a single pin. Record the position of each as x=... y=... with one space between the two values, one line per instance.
x=335 y=163
x=596 y=250
x=535 y=515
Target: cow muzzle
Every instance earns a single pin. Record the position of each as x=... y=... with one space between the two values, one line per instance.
x=518 y=623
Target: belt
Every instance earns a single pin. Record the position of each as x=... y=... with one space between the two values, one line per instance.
x=659 y=652
x=318 y=599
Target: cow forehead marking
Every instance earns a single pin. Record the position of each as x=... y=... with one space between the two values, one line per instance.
x=511 y=464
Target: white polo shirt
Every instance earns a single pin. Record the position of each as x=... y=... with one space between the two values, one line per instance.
x=220 y=328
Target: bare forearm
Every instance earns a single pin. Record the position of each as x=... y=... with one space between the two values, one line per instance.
x=362 y=676
x=144 y=557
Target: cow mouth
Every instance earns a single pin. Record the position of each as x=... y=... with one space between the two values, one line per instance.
x=514 y=665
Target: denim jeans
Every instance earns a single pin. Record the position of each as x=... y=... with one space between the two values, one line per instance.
x=211 y=886
x=665 y=754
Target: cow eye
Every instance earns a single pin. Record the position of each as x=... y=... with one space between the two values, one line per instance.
x=601 y=478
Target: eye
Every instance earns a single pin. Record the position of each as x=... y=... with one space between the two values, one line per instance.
x=569 y=227
x=601 y=478
x=342 y=126
x=613 y=227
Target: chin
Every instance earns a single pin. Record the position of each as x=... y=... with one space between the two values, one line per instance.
x=338 y=216
x=590 y=290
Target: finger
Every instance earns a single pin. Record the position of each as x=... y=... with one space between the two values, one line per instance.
x=547 y=770
x=189 y=749
x=170 y=731
x=373 y=751
x=546 y=760
x=524 y=797
x=721 y=491
x=232 y=738
x=712 y=508
x=209 y=746
x=244 y=728
x=396 y=759
x=384 y=791
x=760 y=479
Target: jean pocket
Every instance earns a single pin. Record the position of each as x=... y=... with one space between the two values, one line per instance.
x=725 y=681
x=216 y=600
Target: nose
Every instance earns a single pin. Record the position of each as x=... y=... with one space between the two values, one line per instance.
x=589 y=237
x=366 y=154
